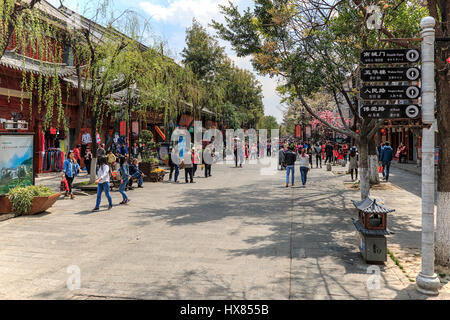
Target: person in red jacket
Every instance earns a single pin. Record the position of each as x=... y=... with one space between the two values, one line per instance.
x=323 y=151
x=345 y=151
x=77 y=155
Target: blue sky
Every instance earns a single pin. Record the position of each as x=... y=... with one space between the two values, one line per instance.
x=168 y=21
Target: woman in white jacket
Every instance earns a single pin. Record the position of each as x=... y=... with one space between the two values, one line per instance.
x=102 y=183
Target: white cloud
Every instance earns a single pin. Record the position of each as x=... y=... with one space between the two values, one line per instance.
x=181 y=12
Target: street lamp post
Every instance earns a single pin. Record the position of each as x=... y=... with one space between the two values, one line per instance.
x=427 y=280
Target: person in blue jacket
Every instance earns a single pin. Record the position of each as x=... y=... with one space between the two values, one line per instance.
x=70 y=171
x=386 y=156
x=124 y=177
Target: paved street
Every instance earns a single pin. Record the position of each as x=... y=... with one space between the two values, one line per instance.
x=236 y=235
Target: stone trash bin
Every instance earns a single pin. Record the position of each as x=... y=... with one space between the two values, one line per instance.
x=372 y=230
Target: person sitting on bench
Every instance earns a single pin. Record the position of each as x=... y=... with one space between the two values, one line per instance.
x=136 y=174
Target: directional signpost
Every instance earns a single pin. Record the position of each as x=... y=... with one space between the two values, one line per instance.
x=389 y=92
x=390 y=74
x=390 y=56
x=391 y=111
x=396 y=89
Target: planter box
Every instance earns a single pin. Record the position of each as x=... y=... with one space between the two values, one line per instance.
x=39 y=204
x=155 y=177
x=147 y=168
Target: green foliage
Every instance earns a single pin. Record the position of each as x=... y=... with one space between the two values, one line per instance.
x=268 y=123
x=32 y=34
x=202 y=52
x=314 y=47
x=232 y=93
x=149 y=147
x=22 y=197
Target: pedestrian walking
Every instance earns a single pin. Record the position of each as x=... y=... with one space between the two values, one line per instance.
x=71 y=169
x=281 y=156
x=318 y=150
x=196 y=160
x=135 y=151
x=77 y=155
x=101 y=152
x=328 y=152
x=124 y=177
x=88 y=160
x=353 y=163
x=289 y=161
x=309 y=152
x=111 y=159
x=173 y=167
x=123 y=150
x=386 y=156
x=188 y=167
x=102 y=183
x=304 y=166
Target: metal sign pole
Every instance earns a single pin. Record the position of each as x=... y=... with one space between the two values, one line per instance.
x=427 y=280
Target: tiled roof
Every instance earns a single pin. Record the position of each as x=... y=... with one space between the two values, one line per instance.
x=18 y=62
x=370 y=205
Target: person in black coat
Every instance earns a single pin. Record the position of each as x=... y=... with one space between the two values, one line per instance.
x=329 y=152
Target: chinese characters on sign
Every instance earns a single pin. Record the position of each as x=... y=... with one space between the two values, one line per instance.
x=394 y=111
x=390 y=74
x=389 y=92
x=390 y=56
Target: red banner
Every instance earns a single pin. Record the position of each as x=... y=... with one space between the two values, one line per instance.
x=123 y=128
x=298 y=131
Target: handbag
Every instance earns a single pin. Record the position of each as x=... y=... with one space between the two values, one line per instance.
x=64 y=186
x=380 y=169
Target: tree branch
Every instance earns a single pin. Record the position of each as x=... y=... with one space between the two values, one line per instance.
x=305 y=104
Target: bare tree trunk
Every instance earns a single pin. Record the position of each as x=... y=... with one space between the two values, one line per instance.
x=81 y=107
x=364 y=167
x=374 y=177
x=442 y=244
x=94 y=146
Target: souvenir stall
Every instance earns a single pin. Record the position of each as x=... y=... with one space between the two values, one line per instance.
x=52 y=144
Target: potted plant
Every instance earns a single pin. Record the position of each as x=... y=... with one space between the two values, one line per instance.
x=157 y=175
x=149 y=158
x=28 y=200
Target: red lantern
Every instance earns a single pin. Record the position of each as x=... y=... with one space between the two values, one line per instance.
x=383 y=132
x=357 y=131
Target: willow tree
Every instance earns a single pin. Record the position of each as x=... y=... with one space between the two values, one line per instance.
x=315 y=46
x=12 y=13
x=103 y=59
x=26 y=29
